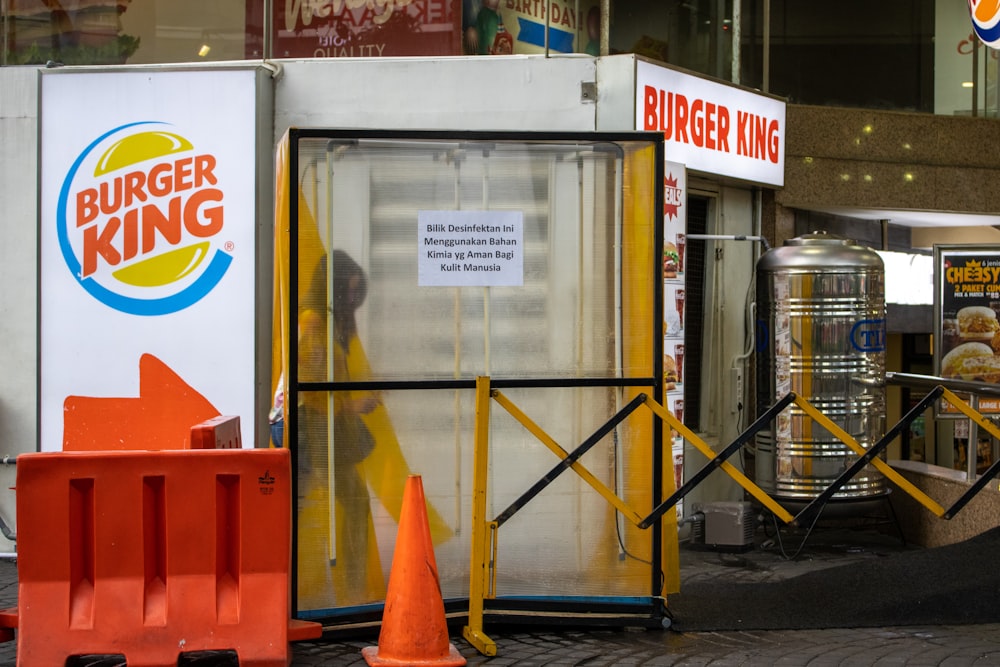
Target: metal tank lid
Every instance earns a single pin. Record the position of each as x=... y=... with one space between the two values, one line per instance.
x=820 y=250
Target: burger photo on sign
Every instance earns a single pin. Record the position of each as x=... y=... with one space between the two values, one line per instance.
x=671 y=260
x=977 y=323
x=670 y=377
x=975 y=357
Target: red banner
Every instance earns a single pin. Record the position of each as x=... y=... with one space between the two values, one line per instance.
x=364 y=28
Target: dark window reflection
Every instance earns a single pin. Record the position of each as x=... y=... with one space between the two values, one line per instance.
x=856 y=53
x=73 y=32
x=113 y=32
x=693 y=34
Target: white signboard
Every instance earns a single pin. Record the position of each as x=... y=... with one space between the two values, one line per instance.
x=147 y=256
x=711 y=127
x=470 y=248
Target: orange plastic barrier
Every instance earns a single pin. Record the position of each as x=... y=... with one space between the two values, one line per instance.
x=154 y=554
x=8 y=622
x=220 y=432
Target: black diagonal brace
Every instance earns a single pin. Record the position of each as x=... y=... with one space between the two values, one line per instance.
x=816 y=506
x=720 y=458
x=964 y=499
x=570 y=459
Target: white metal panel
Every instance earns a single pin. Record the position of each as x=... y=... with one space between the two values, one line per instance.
x=18 y=184
x=527 y=93
x=616 y=93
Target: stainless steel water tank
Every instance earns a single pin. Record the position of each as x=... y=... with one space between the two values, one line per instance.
x=820 y=334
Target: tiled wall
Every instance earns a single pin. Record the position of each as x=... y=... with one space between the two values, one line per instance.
x=923 y=527
x=881 y=159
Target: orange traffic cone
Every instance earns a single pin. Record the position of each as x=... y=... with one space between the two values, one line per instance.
x=414 y=630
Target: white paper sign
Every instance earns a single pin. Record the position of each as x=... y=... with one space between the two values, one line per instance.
x=470 y=248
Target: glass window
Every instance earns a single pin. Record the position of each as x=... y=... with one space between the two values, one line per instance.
x=695 y=35
x=114 y=32
x=108 y=32
x=74 y=32
x=914 y=55
x=525 y=287
x=851 y=53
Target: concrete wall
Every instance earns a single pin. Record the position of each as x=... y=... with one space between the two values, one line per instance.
x=504 y=93
x=838 y=158
x=944 y=486
x=18 y=273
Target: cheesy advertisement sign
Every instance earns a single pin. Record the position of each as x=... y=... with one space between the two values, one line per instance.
x=967 y=340
x=148 y=239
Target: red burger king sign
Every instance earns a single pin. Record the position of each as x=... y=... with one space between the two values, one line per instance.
x=712 y=127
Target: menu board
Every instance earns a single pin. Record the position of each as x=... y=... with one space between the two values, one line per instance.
x=674 y=245
x=966 y=328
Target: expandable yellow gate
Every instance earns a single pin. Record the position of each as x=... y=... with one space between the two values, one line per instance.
x=485 y=531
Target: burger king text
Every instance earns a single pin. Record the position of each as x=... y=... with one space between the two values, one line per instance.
x=120 y=220
x=707 y=125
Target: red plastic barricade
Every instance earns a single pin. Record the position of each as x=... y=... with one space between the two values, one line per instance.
x=220 y=432
x=154 y=554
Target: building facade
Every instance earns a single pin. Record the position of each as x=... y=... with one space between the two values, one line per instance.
x=889 y=112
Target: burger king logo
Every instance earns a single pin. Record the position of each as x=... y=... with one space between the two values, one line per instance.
x=140 y=218
x=986 y=20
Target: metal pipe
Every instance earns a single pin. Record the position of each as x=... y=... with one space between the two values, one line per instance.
x=963 y=386
x=975 y=78
x=766 y=47
x=605 y=30
x=737 y=49
x=6 y=531
x=730 y=237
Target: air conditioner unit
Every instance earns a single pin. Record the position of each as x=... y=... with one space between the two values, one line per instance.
x=727 y=524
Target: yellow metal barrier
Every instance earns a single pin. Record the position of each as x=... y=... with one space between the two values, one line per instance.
x=482 y=583
x=870 y=456
x=879 y=464
x=480 y=569
x=484 y=532
x=969 y=412
x=577 y=467
x=729 y=468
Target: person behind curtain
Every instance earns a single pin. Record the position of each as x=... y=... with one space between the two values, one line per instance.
x=351 y=568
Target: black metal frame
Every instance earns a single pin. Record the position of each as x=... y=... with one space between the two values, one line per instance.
x=655 y=382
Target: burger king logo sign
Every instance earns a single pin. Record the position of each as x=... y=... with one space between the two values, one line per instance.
x=140 y=217
x=986 y=20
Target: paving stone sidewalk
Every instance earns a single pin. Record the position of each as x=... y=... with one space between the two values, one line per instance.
x=712 y=583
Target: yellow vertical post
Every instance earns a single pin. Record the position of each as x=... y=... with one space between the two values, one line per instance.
x=480 y=559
